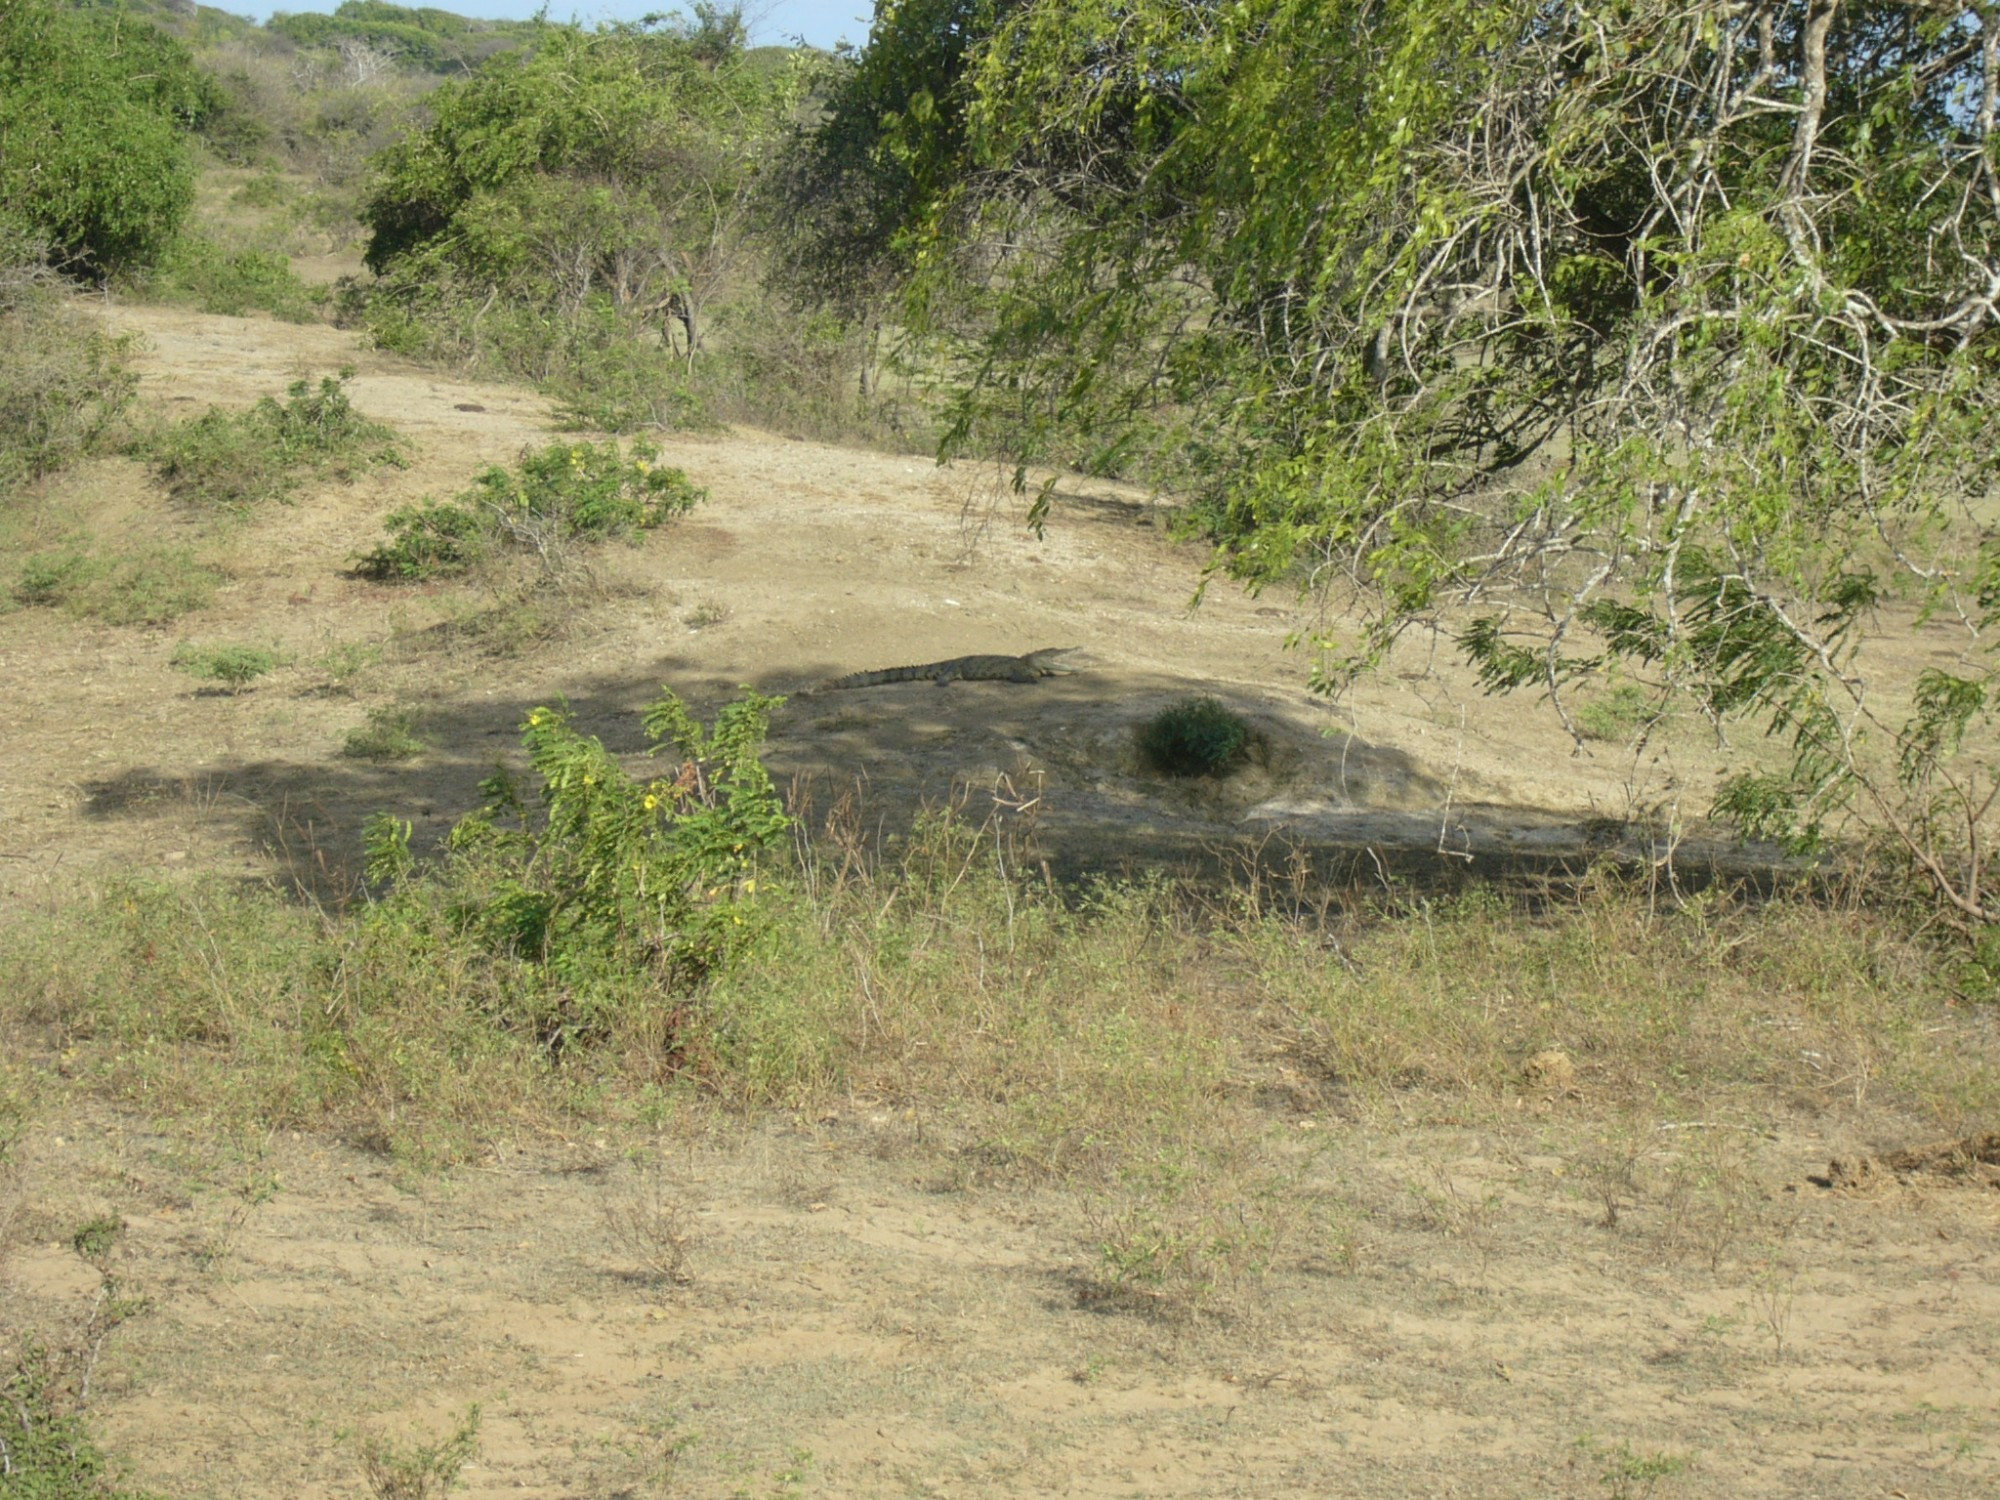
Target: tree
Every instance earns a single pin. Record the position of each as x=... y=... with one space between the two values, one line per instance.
x=1658 y=334
x=96 y=109
x=614 y=164
x=889 y=147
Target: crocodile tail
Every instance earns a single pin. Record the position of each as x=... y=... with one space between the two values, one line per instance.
x=880 y=676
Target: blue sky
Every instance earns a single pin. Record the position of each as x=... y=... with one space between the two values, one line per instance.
x=820 y=22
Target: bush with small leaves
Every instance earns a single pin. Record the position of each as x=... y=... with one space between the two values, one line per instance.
x=1194 y=737
x=566 y=492
x=589 y=490
x=428 y=540
x=599 y=881
x=235 y=459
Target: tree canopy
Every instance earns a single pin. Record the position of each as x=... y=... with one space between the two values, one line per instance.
x=585 y=162
x=96 y=108
x=1658 y=334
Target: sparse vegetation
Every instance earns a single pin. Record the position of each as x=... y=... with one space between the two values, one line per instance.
x=389 y=734
x=50 y=1454
x=419 y=1470
x=145 y=585
x=231 y=460
x=1659 y=404
x=235 y=667
x=63 y=383
x=1617 y=715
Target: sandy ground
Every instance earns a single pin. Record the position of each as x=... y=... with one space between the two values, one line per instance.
x=860 y=1317
x=806 y=562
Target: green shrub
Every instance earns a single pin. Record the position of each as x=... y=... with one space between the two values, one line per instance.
x=234 y=459
x=235 y=667
x=588 y=490
x=599 y=877
x=96 y=111
x=63 y=383
x=199 y=273
x=1194 y=737
x=566 y=492
x=428 y=540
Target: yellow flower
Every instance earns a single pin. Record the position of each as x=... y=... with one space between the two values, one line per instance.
x=749 y=887
x=651 y=802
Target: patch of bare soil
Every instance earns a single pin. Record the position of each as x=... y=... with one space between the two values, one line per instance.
x=1466 y=1308
x=855 y=1322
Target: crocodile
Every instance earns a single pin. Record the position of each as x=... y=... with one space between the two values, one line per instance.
x=1028 y=668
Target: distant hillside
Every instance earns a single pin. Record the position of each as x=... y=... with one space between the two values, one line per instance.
x=436 y=41
x=184 y=19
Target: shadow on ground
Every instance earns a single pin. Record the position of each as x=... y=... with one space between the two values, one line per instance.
x=1308 y=812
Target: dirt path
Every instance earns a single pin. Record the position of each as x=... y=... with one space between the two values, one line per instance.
x=856 y=1326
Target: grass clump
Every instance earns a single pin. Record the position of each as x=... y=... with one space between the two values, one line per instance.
x=1617 y=715
x=1193 y=737
x=565 y=493
x=419 y=1470
x=234 y=667
x=228 y=460
x=389 y=734
x=152 y=586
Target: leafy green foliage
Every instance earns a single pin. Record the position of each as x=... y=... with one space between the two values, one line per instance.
x=96 y=110
x=436 y=41
x=602 y=875
x=236 y=459
x=545 y=167
x=575 y=211
x=432 y=539
x=1659 y=371
x=1194 y=737
x=588 y=490
x=50 y=1453
x=565 y=492
x=889 y=150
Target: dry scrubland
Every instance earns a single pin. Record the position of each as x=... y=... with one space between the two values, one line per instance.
x=995 y=1163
